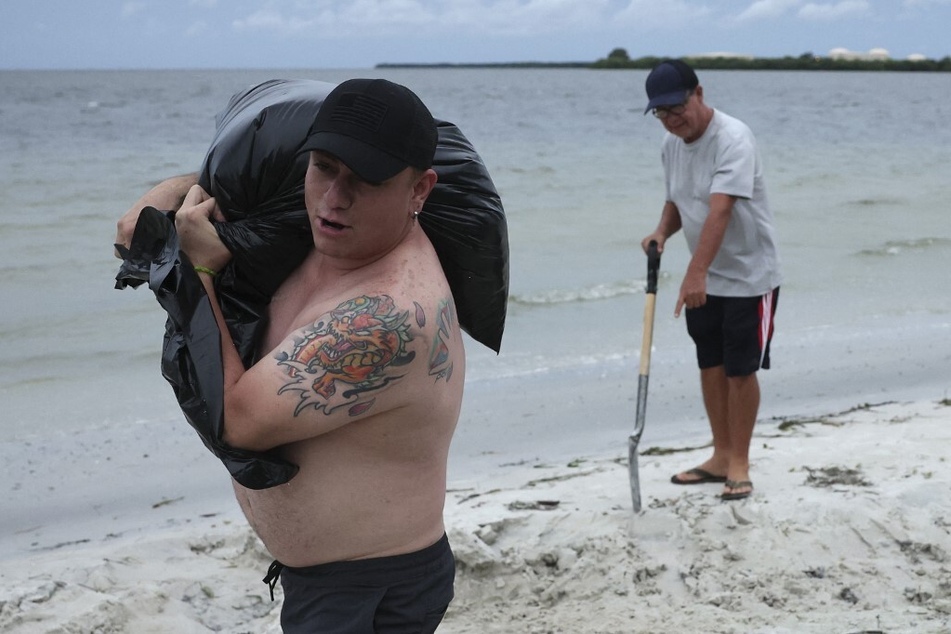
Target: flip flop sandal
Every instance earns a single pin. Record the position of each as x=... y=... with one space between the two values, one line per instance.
x=739 y=495
x=702 y=477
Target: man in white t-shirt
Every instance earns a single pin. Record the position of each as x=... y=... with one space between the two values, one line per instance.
x=715 y=192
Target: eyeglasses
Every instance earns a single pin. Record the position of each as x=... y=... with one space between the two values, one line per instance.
x=665 y=111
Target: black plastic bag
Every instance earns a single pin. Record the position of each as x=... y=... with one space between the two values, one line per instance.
x=255 y=171
x=191 y=353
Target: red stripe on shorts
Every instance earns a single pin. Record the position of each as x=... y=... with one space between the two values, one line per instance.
x=766 y=312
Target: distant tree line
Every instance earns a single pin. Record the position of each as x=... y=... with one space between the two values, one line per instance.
x=489 y=65
x=618 y=58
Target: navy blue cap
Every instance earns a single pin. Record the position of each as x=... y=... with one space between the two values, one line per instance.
x=669 y=83
x=377 y=128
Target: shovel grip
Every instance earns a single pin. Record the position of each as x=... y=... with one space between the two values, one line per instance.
x=653 y=265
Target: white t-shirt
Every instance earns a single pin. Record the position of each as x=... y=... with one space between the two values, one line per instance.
x=725 y=160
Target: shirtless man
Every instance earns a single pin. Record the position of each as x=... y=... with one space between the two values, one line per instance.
x=360 y=377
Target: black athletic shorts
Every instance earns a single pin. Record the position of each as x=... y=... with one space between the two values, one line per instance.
x=403 y=594
x=734 y=332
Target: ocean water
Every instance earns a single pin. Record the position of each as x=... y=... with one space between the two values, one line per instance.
x=857 y=166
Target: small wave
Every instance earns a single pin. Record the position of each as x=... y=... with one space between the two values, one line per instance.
x=871 y=202
x=897 y=247
x=536 y=171
x=524 y=366
x=597 y=292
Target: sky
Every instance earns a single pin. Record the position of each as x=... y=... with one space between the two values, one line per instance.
x=138 y=34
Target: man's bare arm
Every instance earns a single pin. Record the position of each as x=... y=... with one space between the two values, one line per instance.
x=693 y=290
x=669 y=224
x=169 y=194
x=347 y=364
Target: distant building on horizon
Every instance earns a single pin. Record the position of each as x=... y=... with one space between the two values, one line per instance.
x=875 y=54
x=722 y=55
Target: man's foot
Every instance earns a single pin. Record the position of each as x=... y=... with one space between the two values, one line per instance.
x=736 y=490
x=696 y=476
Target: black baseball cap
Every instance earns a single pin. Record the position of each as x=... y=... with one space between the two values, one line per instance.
x=376 y=127
x=668 y=84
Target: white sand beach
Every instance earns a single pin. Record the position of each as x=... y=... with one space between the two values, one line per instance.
x=848 y=531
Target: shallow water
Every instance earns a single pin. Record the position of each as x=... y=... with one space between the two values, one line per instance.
x=856 y=169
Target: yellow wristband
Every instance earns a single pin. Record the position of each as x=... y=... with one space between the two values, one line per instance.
x=205 y=269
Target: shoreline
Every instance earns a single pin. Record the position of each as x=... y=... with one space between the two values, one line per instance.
x=844 y=533
x=83 y=483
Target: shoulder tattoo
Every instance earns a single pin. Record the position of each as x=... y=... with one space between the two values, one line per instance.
x=440 y=357
x=347 y=354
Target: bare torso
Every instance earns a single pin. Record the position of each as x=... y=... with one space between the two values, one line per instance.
x=376 y=486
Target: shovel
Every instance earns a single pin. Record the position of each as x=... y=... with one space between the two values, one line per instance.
x=650 y=296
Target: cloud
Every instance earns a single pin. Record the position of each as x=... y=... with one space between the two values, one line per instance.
x=268 y=20
x=197 y=29
x=514 y=17
x=813 y=11
x=763 y=9
x=359 y=17
x=767 y=9
x=131 y=8
x=671 y=15
x=495 y=17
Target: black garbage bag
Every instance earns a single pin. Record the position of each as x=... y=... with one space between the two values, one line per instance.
x=255 y=171
x=191 y=353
